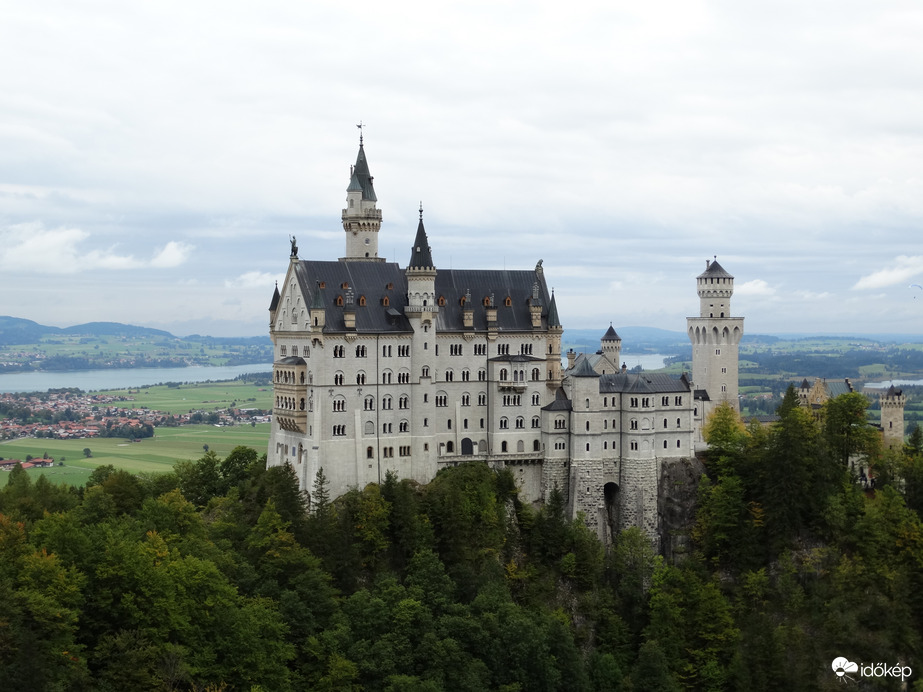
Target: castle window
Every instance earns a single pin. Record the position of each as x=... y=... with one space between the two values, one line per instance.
x=482 y=399
x=588 y=403
x=360 y=378
x=386 y=403
x=535 y=374
x=633 y=425
x=369 y=404
x=425 y=371
x=678 y=401
x=448 y=424
x=466 y=399
x=362 y=301
x=390 y=286
x=403 y=402
x=344 y=285
x=520 y=422
x=339 y=430
x=339 y=351
x=504 y=423
x=677 y=444
x=482 y=375
x=338 y=378
x=466 y=375
x=633 y=402
x=536 y=422
x=536 y=399
x=634 y=446
x=361 y=352
x=588 y=449
x=294 y=350
x=486 y=301
x=449 y=447
x=588 y=426
x=339 y=405
x=664 y=422
x=536 y=446
x=283 y=351
x=369 y=453
x=449 y=376
x=386 y=301
x=441 y=301
x=508 y=302
x=503 y=446
x=404 y=426
x=339 y=301
x=678 y=423
x=322 y=284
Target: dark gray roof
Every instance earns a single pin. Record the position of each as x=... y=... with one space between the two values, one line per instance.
x=553 y=319
x=362 y=176
x=714 y=270
x=517 y=358
x=642 y=383
x=452 y=284
x=274 y=303
x=894 y=391
x=370 y=280
x=420 y=254
x=610 y=335
x=584 y=369
x=560 y=403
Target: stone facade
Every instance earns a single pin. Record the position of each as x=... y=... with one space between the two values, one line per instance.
x=380 y=368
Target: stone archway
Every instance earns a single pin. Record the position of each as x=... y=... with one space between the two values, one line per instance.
x=467 y=446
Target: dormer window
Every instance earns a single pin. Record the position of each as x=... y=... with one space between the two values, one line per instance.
x=462 y=301
x=322 y=284
x=441 y=301
x=339 y=301
x=486 y=301
x=386 y=301
x=362 y=301
x=390 y=286
x=508 y=302
x=344 y=285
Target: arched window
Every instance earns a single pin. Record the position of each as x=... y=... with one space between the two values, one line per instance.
x=339 y=301
x=503 y=446
x=508 y=302
x=362 y=301
x=369 y=453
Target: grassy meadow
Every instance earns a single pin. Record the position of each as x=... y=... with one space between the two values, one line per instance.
x=196 y=396
x=151 y=455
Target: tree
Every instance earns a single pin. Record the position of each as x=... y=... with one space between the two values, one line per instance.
x=87 y=453
x=847 y=430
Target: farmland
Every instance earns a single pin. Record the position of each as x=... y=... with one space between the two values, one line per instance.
x=151 y=455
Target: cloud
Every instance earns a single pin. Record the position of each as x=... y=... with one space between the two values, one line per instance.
x=756 y=287
x=254 y=279
x=29 y=247
x=902 y=271
x=173 y=254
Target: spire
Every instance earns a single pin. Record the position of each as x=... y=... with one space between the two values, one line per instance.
x=274 y=303
x=361 y=177
x=553 y=319
x=317 y=302
x=421 y=256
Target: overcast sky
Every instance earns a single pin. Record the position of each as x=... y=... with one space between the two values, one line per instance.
x=155 y=157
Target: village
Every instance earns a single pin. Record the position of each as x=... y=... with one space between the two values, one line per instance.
x=72 y=414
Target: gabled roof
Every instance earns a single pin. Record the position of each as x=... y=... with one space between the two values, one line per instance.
x=583 y=369
x=371 y=280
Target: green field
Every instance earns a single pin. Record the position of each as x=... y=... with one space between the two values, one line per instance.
x=153 y=455
x=208 y=396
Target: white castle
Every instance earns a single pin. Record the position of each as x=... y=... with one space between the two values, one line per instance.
x=380 y=368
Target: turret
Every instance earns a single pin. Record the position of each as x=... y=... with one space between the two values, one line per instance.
x=892 y=417
x=273 y=307
x=421 y=274
x=361 y=218
x=611 y=345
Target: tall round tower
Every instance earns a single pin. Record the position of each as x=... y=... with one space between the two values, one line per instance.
x=361 y=218
x=715 y=337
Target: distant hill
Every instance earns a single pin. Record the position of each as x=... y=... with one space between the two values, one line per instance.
x=16 y=330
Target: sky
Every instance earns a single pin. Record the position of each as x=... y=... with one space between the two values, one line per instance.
x=155 y=157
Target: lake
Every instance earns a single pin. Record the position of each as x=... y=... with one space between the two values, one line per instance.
x=122 y=378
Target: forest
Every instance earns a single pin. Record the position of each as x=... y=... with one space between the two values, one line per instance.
x=218 y=576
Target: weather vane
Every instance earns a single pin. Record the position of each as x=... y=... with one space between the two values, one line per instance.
x=360 y=131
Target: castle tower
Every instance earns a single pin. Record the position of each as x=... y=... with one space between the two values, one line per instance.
x=715 y=337
x=555 y=330
x=892 y=417
x=361 y=218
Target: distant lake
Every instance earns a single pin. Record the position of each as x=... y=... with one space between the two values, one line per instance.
x=122 y=378
x=897 y=383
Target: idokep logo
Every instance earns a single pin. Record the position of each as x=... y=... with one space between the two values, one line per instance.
x=843 y=667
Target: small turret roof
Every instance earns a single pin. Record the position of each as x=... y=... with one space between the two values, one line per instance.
x=274 y=303
x=421 y=256
x=317 y=303
x=714 y=270
x=610 y=335
x=553 y=319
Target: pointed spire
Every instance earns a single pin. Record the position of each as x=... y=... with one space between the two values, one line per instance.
x=274 y=303
x=553 y=319
x=360 y=175
x=421 y=256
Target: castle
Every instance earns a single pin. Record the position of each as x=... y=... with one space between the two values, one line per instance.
x=380 y=368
